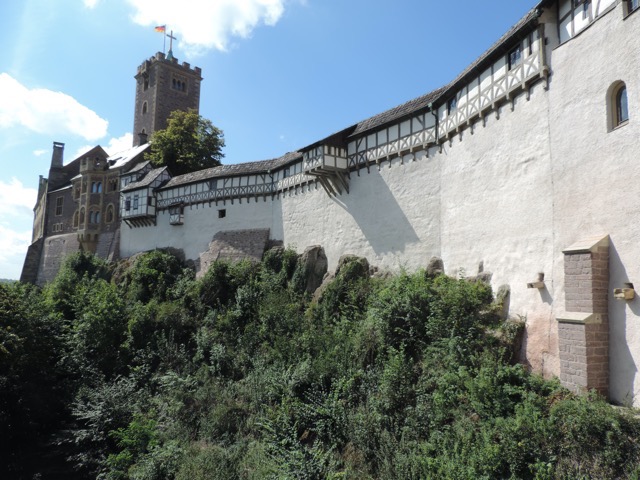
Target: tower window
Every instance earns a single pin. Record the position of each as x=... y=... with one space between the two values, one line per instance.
x=76 y=218
x=145 y=84
x=179 y=84
x=144 y=108
x=59 y=203
x=96 y=187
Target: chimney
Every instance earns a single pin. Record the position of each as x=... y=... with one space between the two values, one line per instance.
x=58 y=155
x=56 y=173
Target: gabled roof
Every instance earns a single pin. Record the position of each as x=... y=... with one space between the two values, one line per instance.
x=264 y=166
x=148 y=179
x=137 y=168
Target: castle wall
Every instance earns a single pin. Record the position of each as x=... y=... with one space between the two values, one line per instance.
x=497 y=208
x=595 y=173
x=534 y=169
x=391 y=214
x=200 y=223
x=55 y=249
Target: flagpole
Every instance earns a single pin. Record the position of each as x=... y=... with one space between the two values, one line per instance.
x=164 y=43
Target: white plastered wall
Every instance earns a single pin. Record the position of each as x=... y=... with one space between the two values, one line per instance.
x=596 y=173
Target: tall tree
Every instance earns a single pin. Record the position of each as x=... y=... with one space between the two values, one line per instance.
x=189 y=143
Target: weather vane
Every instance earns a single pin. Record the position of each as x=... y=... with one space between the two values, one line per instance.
x=163 y=29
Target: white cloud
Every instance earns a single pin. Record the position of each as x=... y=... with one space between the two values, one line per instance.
x=46 y=111
x=13 y=247
x=205 y=24
x=90 y=3
x=119 y=144
x=16 y=214
x=16 y=199
x=39 y=153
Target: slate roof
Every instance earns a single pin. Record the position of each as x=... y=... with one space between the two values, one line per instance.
x=398 y=112
x=248 y=168
x=137 y=168
x=146 y=181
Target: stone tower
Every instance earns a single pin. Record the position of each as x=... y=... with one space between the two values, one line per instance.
x=162 y=86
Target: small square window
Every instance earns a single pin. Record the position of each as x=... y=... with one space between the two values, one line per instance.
x=222 y=213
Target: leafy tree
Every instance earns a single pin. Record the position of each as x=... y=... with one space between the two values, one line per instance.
x=189 y=143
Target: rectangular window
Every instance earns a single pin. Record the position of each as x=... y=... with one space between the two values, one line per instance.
x=59 y=203
x=222 y=213
x=452 y=105
x=633 y=5
x=127 y=204
x=135 y=202
x=515 y=57
x=176 y=215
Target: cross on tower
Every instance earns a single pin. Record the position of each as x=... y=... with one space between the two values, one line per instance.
x=171 y=39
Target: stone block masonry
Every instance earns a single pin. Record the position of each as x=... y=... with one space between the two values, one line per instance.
x=235 y=245
x=583 y=331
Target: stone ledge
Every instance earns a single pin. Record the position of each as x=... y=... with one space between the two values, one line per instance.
x=582 y=318
x=587 y=245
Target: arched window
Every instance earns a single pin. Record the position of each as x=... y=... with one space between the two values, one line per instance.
x=110 y=214
x=76 y=219
x=82 y=216
x=144 y=108
x=617 y=105
x=622 y=106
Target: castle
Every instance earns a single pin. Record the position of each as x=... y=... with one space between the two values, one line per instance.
x=524 y=164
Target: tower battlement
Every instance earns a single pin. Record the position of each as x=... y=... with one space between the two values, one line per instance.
x=161 y=57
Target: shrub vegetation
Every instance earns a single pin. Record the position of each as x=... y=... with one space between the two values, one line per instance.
x=154 y=374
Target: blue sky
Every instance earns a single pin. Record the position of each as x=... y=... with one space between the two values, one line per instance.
x=278 y=74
